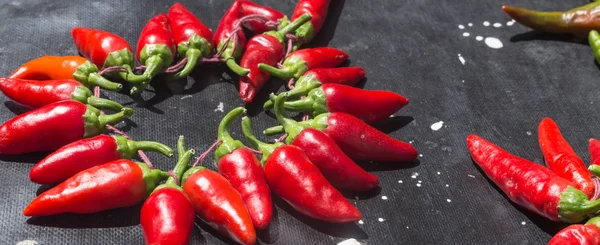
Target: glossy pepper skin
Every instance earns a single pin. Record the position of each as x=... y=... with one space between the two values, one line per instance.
x=594 y=150
x=116 y=184
x=35 y=94
x=228 y=30
x=562 y=159
x=219 y=204
x=243 y=170
x=299 y=62
x=194 y=40
x=251 y=8
x=299 y=182
x=531 y=185
x=167 y=216
x=579 y=20
x=368 y=105
x=86 y=153
x=318 y=10
x=155 y=49
x=267 y=48
x=578 y=234
x=357 y=139
x=53 y=126
x=316 y=77
x=103 y=48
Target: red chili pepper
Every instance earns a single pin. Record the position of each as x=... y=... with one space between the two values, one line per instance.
x=105 y=49
x=318 y=10
x=117 y=184
x=219 y=204
x=167 y=216
x=35 y=94
x=194 y=40
x=562 y=159
x=53 y=126
x=358 y=140
x=251 y=8
x=314 y=78
x=299 y=62
x=267 y=48
x=155 y=49
x=367 y=105
x=64 y=67
x=588 y=234
x=531 y=185
x=86 y=153
x=228 y=33
x=299 y=182
x=243 y=170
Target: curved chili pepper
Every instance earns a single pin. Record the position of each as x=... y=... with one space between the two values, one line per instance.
x=194 y=40
x=228 y=33
x=35 y=94
x=86 y=153
x=316 y=77
x=588 y=234
x=219 y=204
x=116 y=184
x=53 y=126
x=594 y=150
x=562 y=159
x=105 y=49
x=357 y=139
x=167 y=216
x=531 y=185
x=367 y=105
x=155 y=49
x=243 y=170
x=299 y=182
x=64 y=67
x=267 y=48
x=299 y=62
x=580 y=20
x=251 y=8
x=318 y=10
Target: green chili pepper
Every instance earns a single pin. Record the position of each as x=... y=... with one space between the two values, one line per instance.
x=579 y=20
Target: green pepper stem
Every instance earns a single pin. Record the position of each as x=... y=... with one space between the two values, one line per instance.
x=274 y=130
x=112 y=119
x=154 y=64
x=299 y=105
x=285 y=73
x=237 y=69
x=181 y=146
x=131 y=77
x=192 y=56
x=153 y=146
x=223 y=130
x=290 y=126
x=295 y=24
x=101 y=103
x=183 y=160
x=95 y=79
x=594 y=221
x=594 y=169
x=265 y=148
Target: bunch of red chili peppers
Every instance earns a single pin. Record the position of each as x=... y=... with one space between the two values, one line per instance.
x=316 y=161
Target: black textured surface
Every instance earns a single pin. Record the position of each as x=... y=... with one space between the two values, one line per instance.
x=410 y=47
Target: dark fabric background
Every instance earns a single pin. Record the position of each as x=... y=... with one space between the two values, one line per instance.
x=410 y=47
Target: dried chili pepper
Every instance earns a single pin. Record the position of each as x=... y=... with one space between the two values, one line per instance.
x=229 y=34
x=316 y=77
x=578 y=234
x=580 y=20
x=243 y=170
x=86 y=153
x=562 y=159
x=64 y=67
x=357 y=139
x=368 y=105
x=267 y=14
x=318 y=10
x=531 y=185
x=55 y=125
x=35 y=94
x=167 y=216
x=267 y=48
x=219 y=204
x=194 y=40
x=299 y=182
x=116 y=184
x=155 y=49
x=299 y=62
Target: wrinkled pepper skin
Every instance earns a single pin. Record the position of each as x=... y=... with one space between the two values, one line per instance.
x=103 y=48
x=318 y=10
x=299 y=62
x=53 y=126
x=86 y=153
x=49 y=68
x=368 y=105
x=586 y=234
x=167 y=217
x=338 y=169
x=294 y=178
x=562 y=159
x=251 y=8
x=116 y=184
x=220 y=205
x=579 y=20
x=531 y=185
